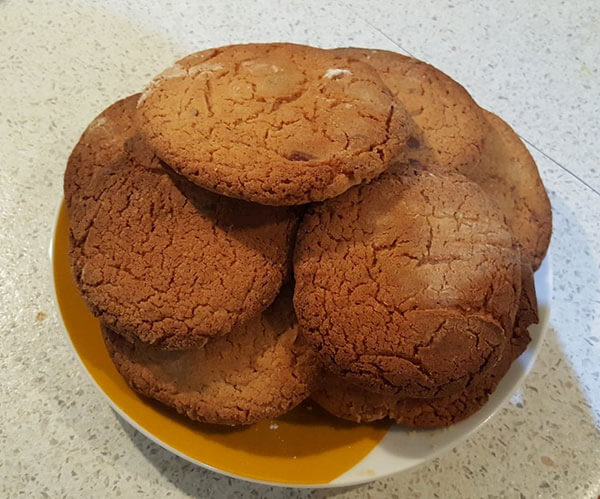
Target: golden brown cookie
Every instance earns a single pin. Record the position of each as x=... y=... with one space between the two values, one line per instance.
x=258 y=371
x=509 y=175
x=100 y=144
x=450 y=125
x=409 y=284
x=166 y=262
x=350 y=402
x=278 y=123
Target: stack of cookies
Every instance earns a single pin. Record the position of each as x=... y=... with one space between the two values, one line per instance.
x=271 y=222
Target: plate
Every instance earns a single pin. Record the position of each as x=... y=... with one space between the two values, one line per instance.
x=304 y=448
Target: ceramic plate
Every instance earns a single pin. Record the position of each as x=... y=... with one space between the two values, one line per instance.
x=305 y=448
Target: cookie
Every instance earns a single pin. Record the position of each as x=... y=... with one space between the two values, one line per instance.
x=450 y=125
x=355 y=404
x=100 y=144
x=277 y=124
x=260 y=370
x=159 y=259
x=409 y=284
x=509 y=175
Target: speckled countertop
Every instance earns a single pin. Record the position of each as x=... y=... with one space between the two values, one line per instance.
x=534 y=63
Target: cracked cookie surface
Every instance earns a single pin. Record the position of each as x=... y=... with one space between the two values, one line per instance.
x=509 y=175
x=409 y=284
x=260 y=370
x=450 y=127
x=100 y=145
x=277 y=124
x=355 y=404
x=159 y=259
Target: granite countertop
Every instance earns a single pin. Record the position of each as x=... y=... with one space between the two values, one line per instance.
x=534 y=63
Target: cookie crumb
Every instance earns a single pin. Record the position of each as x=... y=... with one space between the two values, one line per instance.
x=40 y=316
x=547 y=461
